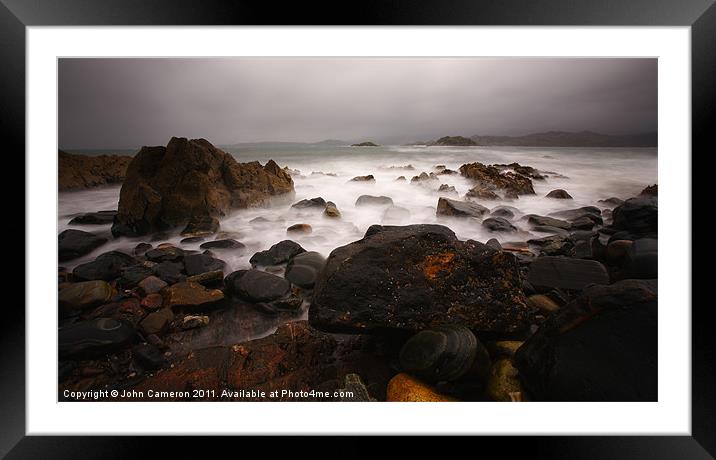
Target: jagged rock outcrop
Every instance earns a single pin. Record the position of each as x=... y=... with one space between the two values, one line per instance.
x=167 y=186
x=490 y=178
x=84 y=171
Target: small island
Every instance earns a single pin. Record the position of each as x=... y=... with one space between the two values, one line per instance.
x=454 y=141
x=365 y=144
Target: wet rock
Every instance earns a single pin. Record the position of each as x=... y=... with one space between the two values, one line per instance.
x=354 y=390
x=542 y=221
x=613 y=201
x=642 y=259
x=491 y=178
x=303 y=269
x=651 y=190
x=256 y=286
x=222 y=244
x=482 y=193
x=418 y=276
x=423 y=177
x=583 y=223
x=299 y=228
x=85 y=295
x=291 y=302
x=448 y=207
x=197 y=264
x=208 y=278
x=400 y=179
x=131 y=276
x=201 y=225
x=148 y=356
x=151 y=285
x=493 y=243
x=503 y=383
x=368 y=178
x=84 y=171
x=503 y=348
x=404 y=388
x=165 y=254
x=93 y=338
x=170 y=272
x=94 y=218
x=194 y=321
x=107 y=266
x=369 y=200
x=447 y=172
x=157 y=322
x=600 y=347
x=563 y=272
x=192 y=240
x=448 y=189
x=152 y=301
x=141 y=248
x=331 y=210
x=617 y=251
x=572 y=214
x=188 y=294
x=395 y=215
x=167 y=186
x=498 y=224
x=310 y=203
x=503 y=211
x=128 y=310
x=542 y=303
x=277 y=254
x=445 y=353
x=559 y=194
x=555 y=245
x=550 y=230
x=637 y=215
x=72 y=244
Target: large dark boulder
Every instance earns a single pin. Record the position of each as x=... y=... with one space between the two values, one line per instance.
x=168 y=186
x=637 y=215
x=600 y=347
x=72 y=244
x=417 y=276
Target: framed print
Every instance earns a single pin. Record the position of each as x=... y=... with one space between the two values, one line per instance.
x=230 y=214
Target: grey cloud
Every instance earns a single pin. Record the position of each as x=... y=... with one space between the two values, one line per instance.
x=125 y=103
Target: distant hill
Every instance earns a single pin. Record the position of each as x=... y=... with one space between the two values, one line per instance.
x=454 y=140
x=570 y=139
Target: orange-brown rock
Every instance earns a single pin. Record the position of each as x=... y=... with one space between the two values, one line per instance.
x=404 y=388
x=84 y=171
x=167 y=186
x=296 y=357
x=190 y=294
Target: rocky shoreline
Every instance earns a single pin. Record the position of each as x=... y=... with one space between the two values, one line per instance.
x=567 y=311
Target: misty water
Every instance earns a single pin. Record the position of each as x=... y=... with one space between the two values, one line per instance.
x=588 y=174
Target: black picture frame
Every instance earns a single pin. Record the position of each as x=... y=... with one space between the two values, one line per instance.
x=700 y=15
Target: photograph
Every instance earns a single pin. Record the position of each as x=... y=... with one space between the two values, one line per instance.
x=357 y=229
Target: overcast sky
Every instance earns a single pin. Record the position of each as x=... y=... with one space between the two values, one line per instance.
x=127 y=103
